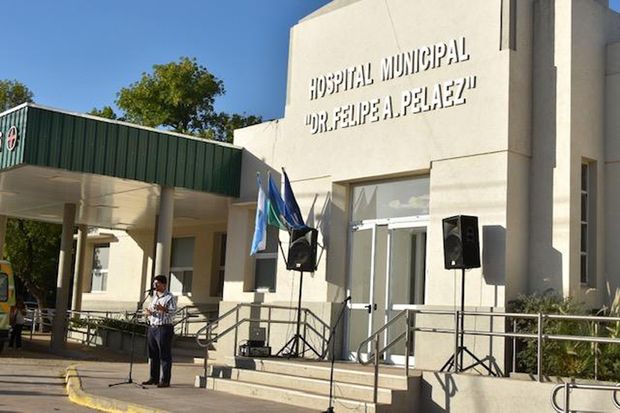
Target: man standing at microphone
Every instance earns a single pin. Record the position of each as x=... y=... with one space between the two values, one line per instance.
x=160 y=313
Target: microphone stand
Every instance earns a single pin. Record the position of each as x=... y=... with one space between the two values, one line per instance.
x=330 y=409
x=133 y=335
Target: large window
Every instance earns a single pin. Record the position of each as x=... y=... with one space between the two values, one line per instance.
x=588 y=224
x=99 y=273
x=266 y=263
x=391 y=199
x=182 y=265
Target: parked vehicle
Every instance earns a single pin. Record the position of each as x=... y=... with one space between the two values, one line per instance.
x=7 y=300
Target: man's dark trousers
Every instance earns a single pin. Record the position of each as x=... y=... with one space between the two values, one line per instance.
x=160 y=352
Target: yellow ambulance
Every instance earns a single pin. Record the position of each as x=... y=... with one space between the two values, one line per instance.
x=7 y=300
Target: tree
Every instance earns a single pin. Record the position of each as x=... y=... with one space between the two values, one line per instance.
x=32 y=248
x=180 y=96
x=105 y=112
x=13 y=93
x=223 y=125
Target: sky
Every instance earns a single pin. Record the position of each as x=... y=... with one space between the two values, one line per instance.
x=76 y=54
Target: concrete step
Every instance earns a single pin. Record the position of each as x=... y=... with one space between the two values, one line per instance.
x=293 y=397
x=316 y=386
x=353 y=374
x=187 y=343
x=213 y=358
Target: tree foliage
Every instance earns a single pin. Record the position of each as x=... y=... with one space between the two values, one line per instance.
x=181 y=96
x=105 y=112
x=32 y=248
x=178 y=95
x=13 y=93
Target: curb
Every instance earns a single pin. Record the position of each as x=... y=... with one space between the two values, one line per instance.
x=106 y=404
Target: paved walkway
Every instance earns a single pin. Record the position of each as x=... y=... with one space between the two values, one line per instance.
x=99 y=368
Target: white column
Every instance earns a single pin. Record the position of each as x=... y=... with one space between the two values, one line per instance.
x=78 y=273
x=2 y=235
x=164 y=231
x=64 y=276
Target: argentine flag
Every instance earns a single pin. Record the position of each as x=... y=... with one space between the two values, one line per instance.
x=259 y=242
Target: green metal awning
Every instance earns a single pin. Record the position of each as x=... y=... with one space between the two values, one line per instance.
x=50 y=157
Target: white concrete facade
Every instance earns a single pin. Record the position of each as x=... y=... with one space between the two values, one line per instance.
x=508 y=150
x=502 y=107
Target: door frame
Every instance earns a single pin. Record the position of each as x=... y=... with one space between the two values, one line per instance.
x=372 y=224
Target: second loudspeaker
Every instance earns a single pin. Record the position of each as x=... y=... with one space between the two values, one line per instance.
x=302 y=250
x=460 y=242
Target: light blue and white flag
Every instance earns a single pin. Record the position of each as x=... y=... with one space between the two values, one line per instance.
x=259 y=242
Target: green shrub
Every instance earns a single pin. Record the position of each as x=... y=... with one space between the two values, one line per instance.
x=123 y=325
x=609 y=354
x=560 y=358
x=112 y=323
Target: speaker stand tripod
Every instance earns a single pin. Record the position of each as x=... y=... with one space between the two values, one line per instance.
x=291 y=348
x=455 y=362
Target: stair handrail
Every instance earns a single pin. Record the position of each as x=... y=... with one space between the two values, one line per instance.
x=210 y=338
x=375 y=355
x=568 y=386
x=207 y=329
x=375 y=335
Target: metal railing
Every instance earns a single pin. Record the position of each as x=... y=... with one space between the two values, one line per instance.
x=210 y=336
x=378 y=350
x=567 y=392
x=410 y=328
x=190 y=315
x=94 y=320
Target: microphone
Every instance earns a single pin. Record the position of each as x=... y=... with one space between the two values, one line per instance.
x=153 y=289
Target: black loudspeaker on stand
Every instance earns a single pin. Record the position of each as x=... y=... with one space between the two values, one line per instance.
x=461 y=251
x=133 y=337
x=302 y=258
x=302 y=250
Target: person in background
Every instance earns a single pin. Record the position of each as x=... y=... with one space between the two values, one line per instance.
x=160 y=313
x=17 y=319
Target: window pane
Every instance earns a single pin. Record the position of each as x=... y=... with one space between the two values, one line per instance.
x=584 y=177
x=584 y=207
x=361 y=247
x=272 y=239
x=584 y=237
x=99 y=280
x=584 y=269
x=265 y=274
x=391 y=199
x=4 y=287
x=101 y=256
x=176 y=281
x=358 y=329
x=182 y=252
x=187 y=281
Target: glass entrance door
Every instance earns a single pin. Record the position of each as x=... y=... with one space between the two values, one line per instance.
x=367 y=283
x=407 y=274
x=387 y=264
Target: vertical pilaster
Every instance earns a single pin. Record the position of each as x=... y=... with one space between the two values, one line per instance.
x=78 y=274
x=64 y=276
x=164 y=231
